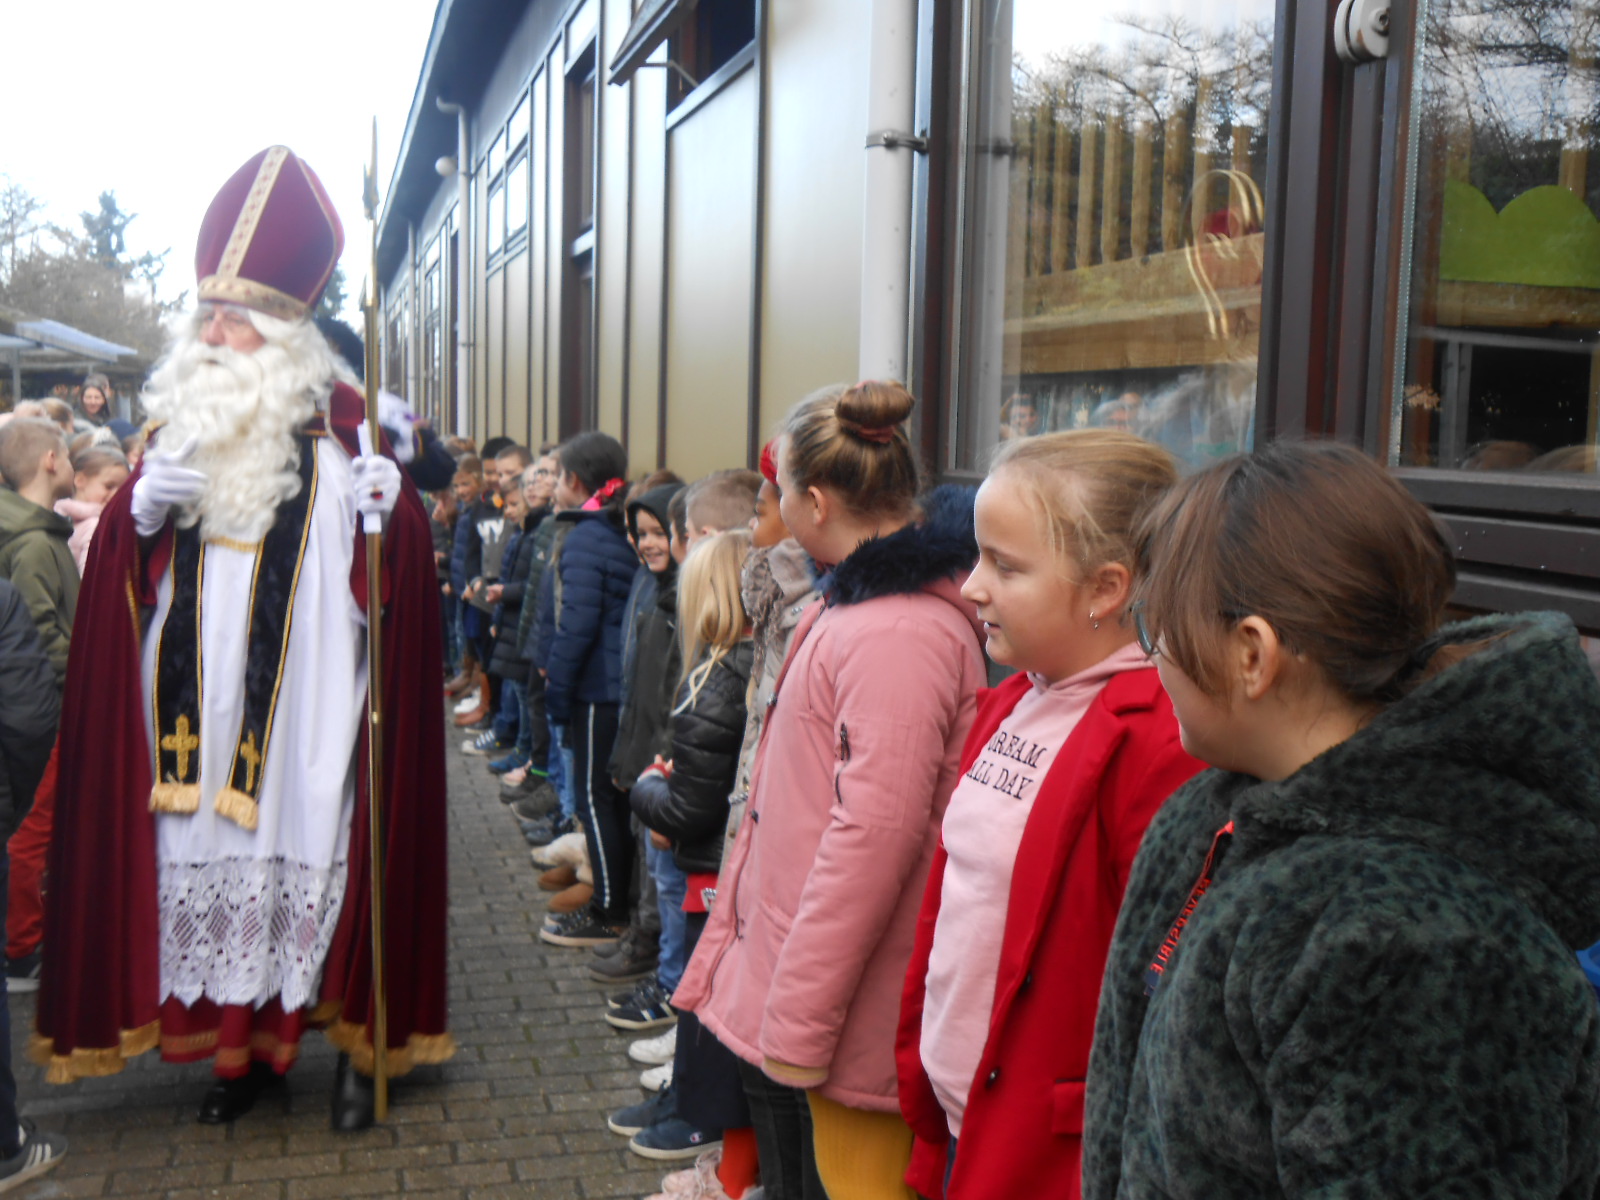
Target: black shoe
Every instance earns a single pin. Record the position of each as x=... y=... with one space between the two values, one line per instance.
x=539 y=833
x=353 y=1098
x=581 y=928
x=22 y=974
x=647 y=1008
x=229 y=1099
x=626 y=964
x=536 y=804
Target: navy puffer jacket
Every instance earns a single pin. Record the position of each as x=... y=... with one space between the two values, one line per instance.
x=595 y=573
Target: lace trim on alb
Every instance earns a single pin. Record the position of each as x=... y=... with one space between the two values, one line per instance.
x=240 y=931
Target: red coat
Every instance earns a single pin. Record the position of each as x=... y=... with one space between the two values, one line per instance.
x=1022 y=1132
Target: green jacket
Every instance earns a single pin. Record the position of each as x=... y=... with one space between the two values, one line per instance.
x=1378 y=996
x=35 y=558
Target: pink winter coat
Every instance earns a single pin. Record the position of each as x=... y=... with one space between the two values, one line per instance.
x=805 y=953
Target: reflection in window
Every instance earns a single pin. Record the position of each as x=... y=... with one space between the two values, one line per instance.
x=1114 y=209
x=1501 y=366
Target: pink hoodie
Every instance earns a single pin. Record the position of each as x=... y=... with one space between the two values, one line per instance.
x=805 y=954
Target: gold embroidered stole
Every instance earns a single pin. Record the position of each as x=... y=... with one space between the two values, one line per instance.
x=180 y=677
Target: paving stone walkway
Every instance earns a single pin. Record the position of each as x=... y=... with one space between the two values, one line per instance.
x=520 y=1111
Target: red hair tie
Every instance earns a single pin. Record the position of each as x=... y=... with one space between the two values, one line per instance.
x=769 y=462
x=599 y=498
x=881 y=434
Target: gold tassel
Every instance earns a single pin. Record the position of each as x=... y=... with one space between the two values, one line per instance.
x=175 y=798
x=236 y=806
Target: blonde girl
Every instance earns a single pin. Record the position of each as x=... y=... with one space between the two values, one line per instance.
x=1067 y=762
x=686 y=802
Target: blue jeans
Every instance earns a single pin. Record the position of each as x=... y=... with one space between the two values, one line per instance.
x=451 y=620
x=508 y=721
x=560 y=770
x=671 y=886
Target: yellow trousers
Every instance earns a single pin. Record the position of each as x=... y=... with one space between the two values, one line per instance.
x=860 y=1155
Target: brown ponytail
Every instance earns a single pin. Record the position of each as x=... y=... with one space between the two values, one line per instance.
x=853 y=440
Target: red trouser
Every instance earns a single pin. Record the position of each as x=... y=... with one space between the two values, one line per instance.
x=27 y=847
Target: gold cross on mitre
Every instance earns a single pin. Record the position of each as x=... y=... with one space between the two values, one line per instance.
x=182 y=743
x=252 y=760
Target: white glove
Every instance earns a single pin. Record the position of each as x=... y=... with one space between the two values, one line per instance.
x=164 y=484
x=397 y=419
x=377 y=484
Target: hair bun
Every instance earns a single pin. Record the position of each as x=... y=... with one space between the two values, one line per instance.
x=874 y=409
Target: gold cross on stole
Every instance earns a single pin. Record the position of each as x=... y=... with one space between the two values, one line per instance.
x=183 y=743
x=252 y=760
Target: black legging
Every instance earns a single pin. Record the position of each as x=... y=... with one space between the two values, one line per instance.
x=605 y=810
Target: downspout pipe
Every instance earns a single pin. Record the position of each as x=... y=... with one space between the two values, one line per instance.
x=413 y=336
x=886 y=227
x=463 y=263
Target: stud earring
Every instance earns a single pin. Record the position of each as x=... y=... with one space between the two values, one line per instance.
x=1091 y=617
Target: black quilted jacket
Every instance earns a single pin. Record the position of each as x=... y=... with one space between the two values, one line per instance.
x=692 y=807
x=1378 y=996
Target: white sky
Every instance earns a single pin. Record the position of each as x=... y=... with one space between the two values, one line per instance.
x=162 y=101
x=1051 y=26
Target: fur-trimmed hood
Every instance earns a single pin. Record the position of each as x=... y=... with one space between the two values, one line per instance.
x=939 y=548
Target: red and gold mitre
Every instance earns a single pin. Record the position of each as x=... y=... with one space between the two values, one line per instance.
x=270 y=239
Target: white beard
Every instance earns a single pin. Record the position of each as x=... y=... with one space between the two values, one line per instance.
x=243 y=411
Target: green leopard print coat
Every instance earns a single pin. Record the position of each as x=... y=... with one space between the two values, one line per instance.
x=1378 y=996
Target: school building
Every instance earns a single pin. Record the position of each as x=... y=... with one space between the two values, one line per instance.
x=1211 y=222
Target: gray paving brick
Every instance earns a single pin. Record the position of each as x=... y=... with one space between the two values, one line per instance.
x=519 y=1112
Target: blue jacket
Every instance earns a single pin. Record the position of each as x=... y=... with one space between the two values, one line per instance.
x=466 y=533
x=594 y=575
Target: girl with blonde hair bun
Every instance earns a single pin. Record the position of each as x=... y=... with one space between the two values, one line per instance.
x=802 y=963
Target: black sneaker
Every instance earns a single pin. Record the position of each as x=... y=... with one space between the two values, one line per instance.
x=535 y=803
x=582 y=928
x=22 y=974
x=663 y=1106
x=674 y=1138
x=648 y=1009
x=36 y=1153
x=628 y=964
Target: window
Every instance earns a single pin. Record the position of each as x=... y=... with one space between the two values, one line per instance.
x=1501 y=355
x=707 y=41
x=495 y=216
x=577 y=276
x=1111 y=190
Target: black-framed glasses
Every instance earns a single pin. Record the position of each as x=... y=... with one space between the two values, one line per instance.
x=1136 y=610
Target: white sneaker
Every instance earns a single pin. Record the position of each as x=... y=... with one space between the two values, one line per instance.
x=656 y=1050
x=467 y=704
x=654 y=1079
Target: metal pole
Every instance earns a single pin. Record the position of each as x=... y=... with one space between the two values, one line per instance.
x=374 y=533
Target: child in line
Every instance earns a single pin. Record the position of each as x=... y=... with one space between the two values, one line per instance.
x=1067 y=762
x=1345 y=963
x=583 y=673
x=801 y=967
x=684 y=803
x=97 y=472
